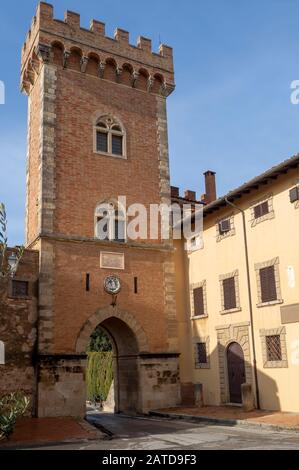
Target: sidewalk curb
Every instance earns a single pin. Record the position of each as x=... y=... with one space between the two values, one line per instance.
x=37 y=445
x=224 y=421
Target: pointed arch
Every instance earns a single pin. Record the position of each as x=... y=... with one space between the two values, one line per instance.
x=111 y=221
x=103 y=315
x=109 y=136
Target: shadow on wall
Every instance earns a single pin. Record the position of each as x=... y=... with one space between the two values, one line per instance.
x=222 y=372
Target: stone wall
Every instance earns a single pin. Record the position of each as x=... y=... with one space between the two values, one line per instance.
x=62 y=386
x=159 y=379
x=18 y=329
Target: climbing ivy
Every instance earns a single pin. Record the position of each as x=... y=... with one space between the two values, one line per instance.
x=99 y=375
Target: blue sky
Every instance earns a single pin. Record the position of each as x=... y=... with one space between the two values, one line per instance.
x=231 y=111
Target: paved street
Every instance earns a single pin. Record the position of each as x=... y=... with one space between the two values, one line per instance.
x=159 y=434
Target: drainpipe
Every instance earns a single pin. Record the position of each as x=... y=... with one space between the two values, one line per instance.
x=257 y=393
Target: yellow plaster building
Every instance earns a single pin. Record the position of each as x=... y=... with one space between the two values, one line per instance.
x=238 y=296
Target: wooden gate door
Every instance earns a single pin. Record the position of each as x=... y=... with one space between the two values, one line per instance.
x=236 y=372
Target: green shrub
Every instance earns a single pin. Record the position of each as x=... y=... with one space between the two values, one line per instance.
x=12 y=407
x=99 y=375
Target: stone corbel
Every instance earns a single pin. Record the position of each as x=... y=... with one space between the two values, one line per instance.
x=34 y=64
x=150 y=83
x=66 y=56
x=25 y=86
x=102 y=67
x=118 y=72
x=84 y=62
x=166 y=89
x=43 y=52
x=135 y=76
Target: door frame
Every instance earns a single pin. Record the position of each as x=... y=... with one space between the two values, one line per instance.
x=227 y=372
x=226 y=334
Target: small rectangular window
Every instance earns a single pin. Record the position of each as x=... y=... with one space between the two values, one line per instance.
x=102 y=142
x=268 y=284
x=198 y=298
x=117 y=145
x=135 y=285
x=224 y=226
x=273 y=348
x=229 y=293
x=261 y=209
x=294 y=194
x=201 y=356
x=20 y=289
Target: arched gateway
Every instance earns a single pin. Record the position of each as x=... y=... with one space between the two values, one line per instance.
x=129 y=343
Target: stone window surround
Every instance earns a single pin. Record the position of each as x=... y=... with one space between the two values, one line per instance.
x=222 y=277
x=227 y=334
x=202 y=284
x=114 y=207
x=123 y=134
x=232 y=230
x=270 y=215
x=206 y=340
x=266 y=264
x=190 y=246
x=295 y=183
x=280 y=331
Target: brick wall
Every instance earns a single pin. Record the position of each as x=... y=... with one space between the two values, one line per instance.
x=73 y=77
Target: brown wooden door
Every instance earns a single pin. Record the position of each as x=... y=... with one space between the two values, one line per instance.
x=236 y=372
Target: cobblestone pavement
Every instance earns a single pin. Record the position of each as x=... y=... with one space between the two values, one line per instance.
x=159 y=434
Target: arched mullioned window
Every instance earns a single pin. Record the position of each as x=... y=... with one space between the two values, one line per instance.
x=110 y=222
x=2 y=353
x=110 y=137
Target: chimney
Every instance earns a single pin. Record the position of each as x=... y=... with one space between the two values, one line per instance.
x=210 y=181
x=190 y=195
x=175 y=192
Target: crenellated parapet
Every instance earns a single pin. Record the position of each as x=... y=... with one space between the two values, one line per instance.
x=65 y=44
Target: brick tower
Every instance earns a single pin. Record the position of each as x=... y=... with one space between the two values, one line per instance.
x=97 y=130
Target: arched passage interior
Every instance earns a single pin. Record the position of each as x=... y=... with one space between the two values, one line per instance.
x=128 y=340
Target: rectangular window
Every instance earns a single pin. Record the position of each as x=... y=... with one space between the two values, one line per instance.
x=117 y=145
x=268 y=284
x=229 y=293
x=199 y=305
x=261 y=209
x=20 y=289
x=294 y=194
x=273 y=348
x=201 y=353
x=224 y=226
x=102 y=142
